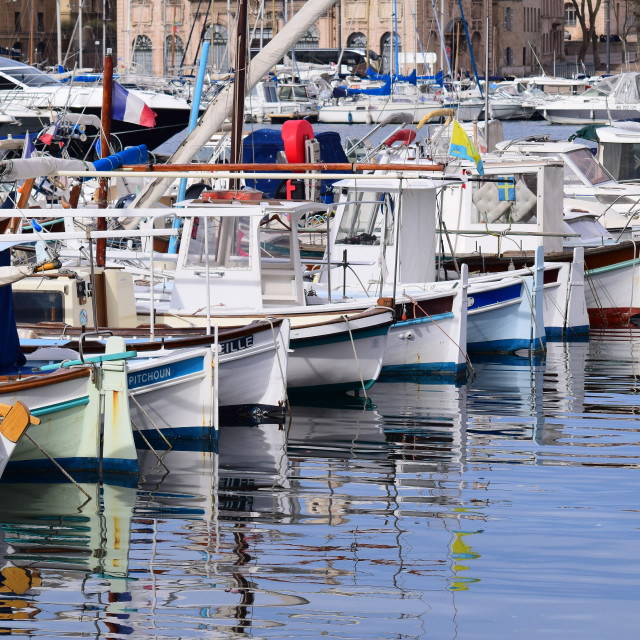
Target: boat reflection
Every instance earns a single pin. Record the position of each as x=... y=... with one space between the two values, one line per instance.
x=53 y=537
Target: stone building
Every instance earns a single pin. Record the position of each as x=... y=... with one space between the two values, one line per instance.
x=163 y=36
x=527 y=35
x=25 y=29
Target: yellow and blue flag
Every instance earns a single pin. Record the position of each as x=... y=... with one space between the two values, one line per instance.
x=506 y=188
x=462 y=147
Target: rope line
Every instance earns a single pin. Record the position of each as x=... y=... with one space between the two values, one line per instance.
x=355 y=353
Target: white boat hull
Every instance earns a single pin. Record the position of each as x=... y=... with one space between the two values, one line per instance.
x=174 y=390
x=338 y=355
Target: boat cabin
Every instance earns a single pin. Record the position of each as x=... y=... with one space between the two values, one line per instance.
x=516 y=205
x=384 y=224
x=249 y=250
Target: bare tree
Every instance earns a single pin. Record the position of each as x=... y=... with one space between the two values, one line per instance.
x=625 y=21
x=586 y=12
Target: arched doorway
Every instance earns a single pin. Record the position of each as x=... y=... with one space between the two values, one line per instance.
x=219 y=47
x=143 y=55
x=357 y=40
x=173 y=50
x=388 y=44
x=310 y=39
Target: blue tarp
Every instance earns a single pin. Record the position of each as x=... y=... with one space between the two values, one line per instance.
x=384 y=90
x=262 y=146
x=10 y=354
x=412 y=78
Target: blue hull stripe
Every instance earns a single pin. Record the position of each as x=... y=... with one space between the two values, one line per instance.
x=553 y=332
x=165 y=372
x=119 y=465
x=433 y=368
x=331 y=388
x=504 y=346
x=495 y=296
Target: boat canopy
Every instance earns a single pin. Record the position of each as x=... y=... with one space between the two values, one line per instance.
x=25 y=74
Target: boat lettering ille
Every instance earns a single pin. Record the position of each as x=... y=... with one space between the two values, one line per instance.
x=232 y=346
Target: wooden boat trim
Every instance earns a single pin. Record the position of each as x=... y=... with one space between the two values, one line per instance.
x=9 y=384
x=192 y=337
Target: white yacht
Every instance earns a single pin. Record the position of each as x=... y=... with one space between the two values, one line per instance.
x=274 y=102
x=610 y=100
x=33 y=96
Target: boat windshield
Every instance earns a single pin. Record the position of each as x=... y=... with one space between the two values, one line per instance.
x=588 y=166
x=293 y=92
x=25 y=74
x=228 y=243
x=622 y=160
x=365 y=218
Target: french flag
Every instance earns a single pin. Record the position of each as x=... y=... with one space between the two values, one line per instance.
x=129 y=108
x=49 y=133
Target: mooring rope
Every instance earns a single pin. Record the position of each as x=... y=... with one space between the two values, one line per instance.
x=282 y=376
x=355 y=354
x=417 y=304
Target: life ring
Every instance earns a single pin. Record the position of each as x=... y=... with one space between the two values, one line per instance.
x=404 y=135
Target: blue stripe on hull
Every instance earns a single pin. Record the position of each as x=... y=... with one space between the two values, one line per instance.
x=109 y=465
x=61 y=406
x=568 y=333
x=174 y=434
x=430 y=368
x=495 y=296
x=164 y=372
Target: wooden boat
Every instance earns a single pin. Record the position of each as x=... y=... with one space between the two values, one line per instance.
x=172 y=382
x=77 y=429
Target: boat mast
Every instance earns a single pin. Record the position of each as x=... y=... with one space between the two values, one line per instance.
x=80 y=58
x=240 y=82
x=221 y=105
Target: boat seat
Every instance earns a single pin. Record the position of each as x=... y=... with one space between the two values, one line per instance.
x=488 y=203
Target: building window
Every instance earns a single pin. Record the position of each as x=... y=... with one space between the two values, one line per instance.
x=508 y=56
x=524 y=56
x=508 y=19
x=309 y=40
x=173 y=54
x=17 y=22
x=570 y=18
x=357 y=40
x=143 y=55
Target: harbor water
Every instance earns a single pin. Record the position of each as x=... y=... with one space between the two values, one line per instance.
x=507 y=506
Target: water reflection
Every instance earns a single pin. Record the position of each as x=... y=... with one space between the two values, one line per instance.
x=52 y=538
x=430 y=510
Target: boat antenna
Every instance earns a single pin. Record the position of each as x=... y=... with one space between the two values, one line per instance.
x=536 y=57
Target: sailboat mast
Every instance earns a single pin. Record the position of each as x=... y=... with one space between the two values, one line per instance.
x=31 y=32
x=240 y=81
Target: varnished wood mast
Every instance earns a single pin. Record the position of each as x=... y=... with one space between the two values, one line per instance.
x=299 y=166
